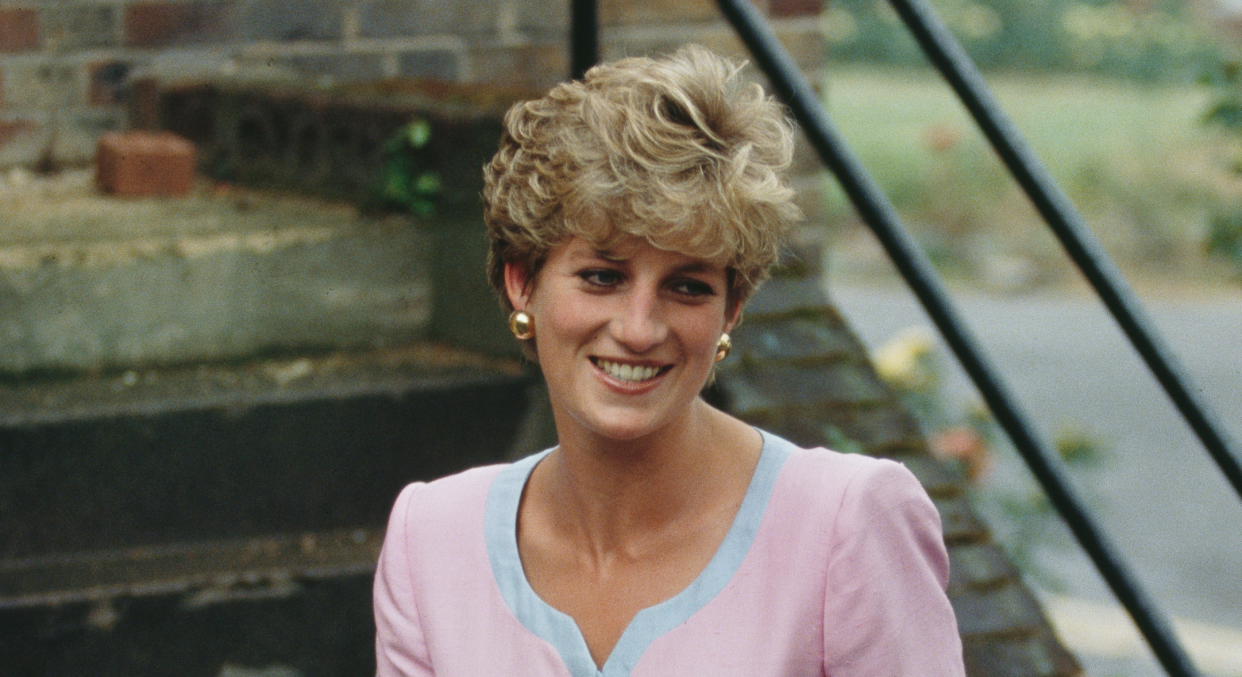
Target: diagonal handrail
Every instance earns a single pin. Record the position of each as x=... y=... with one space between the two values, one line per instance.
x=946 y=53
x=583 y=37
x=879 y=214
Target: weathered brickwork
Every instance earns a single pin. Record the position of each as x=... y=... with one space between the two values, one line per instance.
x=83 y=57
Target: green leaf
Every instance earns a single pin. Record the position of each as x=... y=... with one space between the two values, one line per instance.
x=428 y=183
x=418 y=133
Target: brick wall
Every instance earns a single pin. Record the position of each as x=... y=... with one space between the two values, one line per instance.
x=66 y=65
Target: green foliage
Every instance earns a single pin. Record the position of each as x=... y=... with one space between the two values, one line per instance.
x=1158 y=42
x=407 y=183
x=1224 y=237
x=1224 y=232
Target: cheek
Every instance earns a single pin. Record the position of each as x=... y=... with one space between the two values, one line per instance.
x=565 y=321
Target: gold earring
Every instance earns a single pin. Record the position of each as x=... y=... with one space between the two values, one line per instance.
x=522 y=325
x=723 y=346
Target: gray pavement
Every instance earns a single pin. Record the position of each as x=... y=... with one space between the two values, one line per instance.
x=1158 y=495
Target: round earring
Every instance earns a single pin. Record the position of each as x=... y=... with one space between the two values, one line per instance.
x=723 y=346
x=522 y=325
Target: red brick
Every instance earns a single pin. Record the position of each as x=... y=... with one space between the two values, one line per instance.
x=19 y=30
x=10 y=129
x=787 y=8
x=162 y=24
x=144 y=163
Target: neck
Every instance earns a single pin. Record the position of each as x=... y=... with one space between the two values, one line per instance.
x=625 y=496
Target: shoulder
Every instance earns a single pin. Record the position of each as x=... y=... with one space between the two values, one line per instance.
x=442 y=503
x=847 y=481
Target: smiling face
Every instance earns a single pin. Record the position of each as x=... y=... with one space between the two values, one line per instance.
x=626 y=338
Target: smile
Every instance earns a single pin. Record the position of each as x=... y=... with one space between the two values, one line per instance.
x=630 y=373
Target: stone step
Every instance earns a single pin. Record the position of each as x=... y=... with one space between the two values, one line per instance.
x=91 y=282
x=157 y=457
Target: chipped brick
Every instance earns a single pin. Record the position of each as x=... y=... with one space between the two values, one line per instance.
x=144 y=163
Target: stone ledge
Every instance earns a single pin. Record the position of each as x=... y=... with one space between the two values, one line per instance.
x=1037 y=656
x=1006 y=612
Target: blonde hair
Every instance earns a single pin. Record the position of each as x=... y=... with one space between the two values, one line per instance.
x=678 y=150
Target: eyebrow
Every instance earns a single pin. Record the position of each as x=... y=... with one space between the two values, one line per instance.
x=695 y=267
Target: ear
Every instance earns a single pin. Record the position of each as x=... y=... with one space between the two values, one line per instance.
x=517 y=285
x=733 y=315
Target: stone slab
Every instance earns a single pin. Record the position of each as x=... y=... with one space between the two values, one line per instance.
x=163 y=456
x=89 y=282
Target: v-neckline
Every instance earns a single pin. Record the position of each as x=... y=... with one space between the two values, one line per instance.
x=558 y=628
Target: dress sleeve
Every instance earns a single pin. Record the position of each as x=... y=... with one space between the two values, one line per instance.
x=400 y=648
x=885 y=609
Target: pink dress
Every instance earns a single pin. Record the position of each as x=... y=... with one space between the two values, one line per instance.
x=835 y=565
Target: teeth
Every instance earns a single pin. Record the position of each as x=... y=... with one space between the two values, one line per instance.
x=626 y=372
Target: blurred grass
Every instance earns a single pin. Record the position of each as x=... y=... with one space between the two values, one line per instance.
x=1134 y=158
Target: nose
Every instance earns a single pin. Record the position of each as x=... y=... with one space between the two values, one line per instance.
x=638 y=324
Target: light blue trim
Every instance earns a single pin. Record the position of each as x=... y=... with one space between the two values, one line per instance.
x=558 y=629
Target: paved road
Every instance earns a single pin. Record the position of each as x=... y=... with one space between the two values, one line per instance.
x=1159 y=497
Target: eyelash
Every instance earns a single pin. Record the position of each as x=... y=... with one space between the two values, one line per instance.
x=593 y=277
x=609 y=278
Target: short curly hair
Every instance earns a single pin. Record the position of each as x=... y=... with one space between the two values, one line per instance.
x=679 y=150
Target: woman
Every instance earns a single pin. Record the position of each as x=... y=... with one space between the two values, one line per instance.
x=630 y=217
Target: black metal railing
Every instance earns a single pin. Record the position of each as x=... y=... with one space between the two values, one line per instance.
x=947 y=55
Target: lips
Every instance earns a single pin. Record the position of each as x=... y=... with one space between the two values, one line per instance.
x=629 y=373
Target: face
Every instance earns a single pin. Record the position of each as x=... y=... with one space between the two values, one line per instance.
x=626 y=338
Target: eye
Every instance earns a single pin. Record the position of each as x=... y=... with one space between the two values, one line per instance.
x=693 y=287
x=600 y=277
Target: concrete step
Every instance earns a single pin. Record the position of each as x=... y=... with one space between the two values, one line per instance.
x=91 y=282
x=100 y=463
x=213 y=519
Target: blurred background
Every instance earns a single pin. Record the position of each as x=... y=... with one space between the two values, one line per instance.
x=241 y=304
x=1133 y=108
